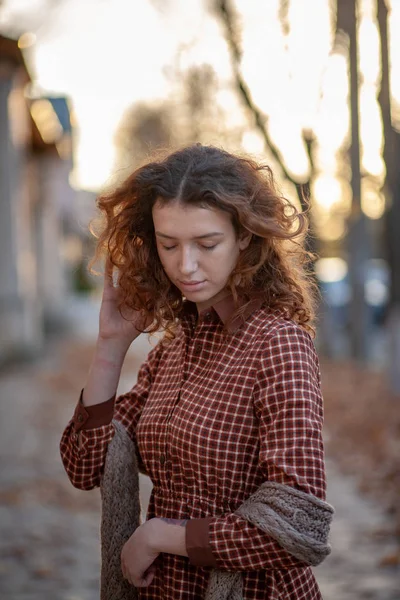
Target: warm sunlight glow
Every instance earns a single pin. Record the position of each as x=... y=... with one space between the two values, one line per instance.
x=108 y=55
x=252 y=142
x=327 y=191
x=332 y=123
x=330 y=270
x=394 y=39
x=104 y=68
x=369 y=51
x=285 y=131
x=372 y=200
x=230 y=104
x=26 y=40
x=46 y=121
x=334 y=229
x=371 y=132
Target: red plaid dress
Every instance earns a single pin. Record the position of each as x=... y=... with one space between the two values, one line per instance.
x=213 y=418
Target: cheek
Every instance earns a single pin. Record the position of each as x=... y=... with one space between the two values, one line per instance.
x=232 y=253
x=223 y=263
x=166 y=262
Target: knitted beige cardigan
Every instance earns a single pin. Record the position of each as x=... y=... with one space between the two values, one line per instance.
x=299 y=522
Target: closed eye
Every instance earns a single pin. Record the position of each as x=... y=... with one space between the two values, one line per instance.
x=201 y=246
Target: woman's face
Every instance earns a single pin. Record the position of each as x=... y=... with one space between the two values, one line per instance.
x=198 y=249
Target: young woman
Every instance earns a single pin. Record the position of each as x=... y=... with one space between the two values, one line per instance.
x=207 y=250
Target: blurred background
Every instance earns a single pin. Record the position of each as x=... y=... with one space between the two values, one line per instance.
x=88 y=88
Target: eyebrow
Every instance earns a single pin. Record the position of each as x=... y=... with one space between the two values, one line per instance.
x=198 y=237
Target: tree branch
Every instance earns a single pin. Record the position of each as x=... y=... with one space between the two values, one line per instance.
x=228 y=19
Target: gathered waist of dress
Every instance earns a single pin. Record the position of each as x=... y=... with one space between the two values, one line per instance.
x=206 y=501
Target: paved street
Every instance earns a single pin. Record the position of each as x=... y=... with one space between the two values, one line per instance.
x=49 y=531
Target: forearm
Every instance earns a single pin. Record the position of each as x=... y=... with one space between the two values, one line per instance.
x=231 y=543
x=104 y=372
x=170 y=536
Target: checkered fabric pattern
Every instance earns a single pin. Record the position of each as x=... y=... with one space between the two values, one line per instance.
x=214 y=416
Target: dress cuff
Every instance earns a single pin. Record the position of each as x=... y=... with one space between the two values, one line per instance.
x=197 y=543
x=89 y=417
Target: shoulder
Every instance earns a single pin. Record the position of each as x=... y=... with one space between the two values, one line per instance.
x=283 y=340
x=272 y=325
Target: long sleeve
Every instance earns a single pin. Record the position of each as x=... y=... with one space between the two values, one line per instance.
x=84 y=442
x=288 y=404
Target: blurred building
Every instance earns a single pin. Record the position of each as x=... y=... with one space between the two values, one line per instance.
x=35 y=201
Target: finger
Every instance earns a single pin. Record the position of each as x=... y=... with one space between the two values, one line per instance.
x=144 y=580
x=149 y=577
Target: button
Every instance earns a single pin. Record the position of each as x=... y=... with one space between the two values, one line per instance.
x=207 y=317
x=162 y=459
x=79 y=418
x=197 y=348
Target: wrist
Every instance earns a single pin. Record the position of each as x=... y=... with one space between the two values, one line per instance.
x=168 y=535
x=111 y=351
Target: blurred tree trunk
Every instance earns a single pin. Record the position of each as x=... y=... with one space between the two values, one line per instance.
x=357 y=235
x=327 y=333
x=391 y=156
x=226 y=14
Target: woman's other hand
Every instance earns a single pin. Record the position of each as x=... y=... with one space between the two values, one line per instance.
x=138 y=555
x=147 y=542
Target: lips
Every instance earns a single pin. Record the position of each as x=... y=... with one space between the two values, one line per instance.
x=191 y=285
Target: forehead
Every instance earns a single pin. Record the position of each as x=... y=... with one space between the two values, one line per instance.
x=181 y=220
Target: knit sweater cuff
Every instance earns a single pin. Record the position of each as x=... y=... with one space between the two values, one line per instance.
x=197 y=543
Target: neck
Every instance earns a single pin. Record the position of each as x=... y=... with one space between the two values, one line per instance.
x=208 y=303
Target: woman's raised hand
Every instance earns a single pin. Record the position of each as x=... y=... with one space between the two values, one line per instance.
x=116 y=334
x=112 y=325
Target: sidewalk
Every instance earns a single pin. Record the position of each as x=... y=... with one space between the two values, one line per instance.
x=49 y=531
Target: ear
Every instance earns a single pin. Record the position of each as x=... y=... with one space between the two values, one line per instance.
x=244 y=240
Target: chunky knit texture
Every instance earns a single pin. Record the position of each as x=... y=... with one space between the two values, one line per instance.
x=120 y=513
x=298 y=521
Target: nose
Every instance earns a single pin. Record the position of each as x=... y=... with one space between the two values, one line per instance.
x=187 y=261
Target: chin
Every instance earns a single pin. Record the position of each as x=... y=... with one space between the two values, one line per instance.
x=197 y=296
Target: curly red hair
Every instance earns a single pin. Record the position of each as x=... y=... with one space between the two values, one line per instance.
x=273 y=267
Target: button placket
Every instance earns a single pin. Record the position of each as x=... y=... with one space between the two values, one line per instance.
x=197 y=342
x=197 y=349
x=163 y=457
x=172 y=409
